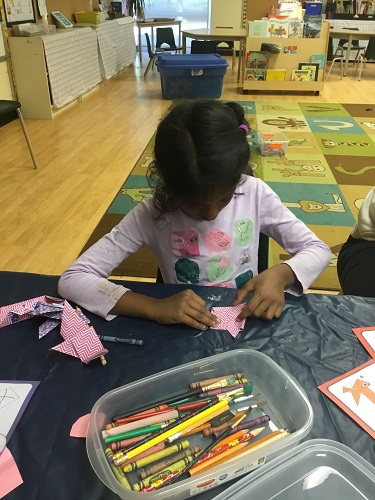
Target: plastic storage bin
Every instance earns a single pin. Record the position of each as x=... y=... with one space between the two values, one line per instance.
x=90 y=17
x=272 y=143
x=319 y=469
x=313 y=8
x=287 y=406
x=191 y=75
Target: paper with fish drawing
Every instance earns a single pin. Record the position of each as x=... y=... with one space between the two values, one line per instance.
x=367 y=338
x=354 y=393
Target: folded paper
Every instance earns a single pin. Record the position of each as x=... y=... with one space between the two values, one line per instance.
x=228 y=316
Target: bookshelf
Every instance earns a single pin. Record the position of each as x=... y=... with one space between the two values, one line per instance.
x=305 y=48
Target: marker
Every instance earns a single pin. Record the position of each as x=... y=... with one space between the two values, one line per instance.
x=120 y=340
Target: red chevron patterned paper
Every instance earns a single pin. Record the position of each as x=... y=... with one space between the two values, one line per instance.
x=228 y=317
x=23 y=310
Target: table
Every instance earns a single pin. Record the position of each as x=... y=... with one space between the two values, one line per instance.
x=152 y=25
x=350 y=35
x=218 y=34
x=312 y=340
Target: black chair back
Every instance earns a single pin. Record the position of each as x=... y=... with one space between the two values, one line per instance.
x=165 y=36
x=344 y=41
x=149 y=48
x=203 y=47
x=370 y=51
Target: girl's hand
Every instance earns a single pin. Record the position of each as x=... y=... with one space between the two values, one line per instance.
x=184 y=307
x=268 y=287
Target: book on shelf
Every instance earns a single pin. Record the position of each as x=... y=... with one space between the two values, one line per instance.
x=256 y=74
x=295 y=28
x=259 y=28
x=312 y=26
x=290 y=49
x=257 y=59
x=278 y=27
x=301 y=75
x=274 y=75
x=313 y=67
x=318 y=58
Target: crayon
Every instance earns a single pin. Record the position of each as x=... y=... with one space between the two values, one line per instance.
x=143 y=414
x=193 y=405
x=125 y=443
x=138 y=432
x=120 y=476
x=162 y=474
x=201 y=428
x=182 y=423
x=223 y=383
x=120 y=340
x=221 y=390
x=154 y=457
x=246 y=425
x=240 y=449
x=138 y=424
x=161 y=482
x=221 y=447
x=209 y=431
x=153 y=469
x=202 y=383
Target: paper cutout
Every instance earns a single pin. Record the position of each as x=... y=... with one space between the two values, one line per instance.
x=14 y=397
x=10 y=476
x=228 y=317
x=81 y=341
x=44 y=305
x=80 y=427
x=354 y=393
x=367 y=338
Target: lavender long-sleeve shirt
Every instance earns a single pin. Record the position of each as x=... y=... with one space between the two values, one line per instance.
x=223 y=252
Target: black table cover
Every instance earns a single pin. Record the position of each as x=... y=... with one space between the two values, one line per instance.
x=312 y=340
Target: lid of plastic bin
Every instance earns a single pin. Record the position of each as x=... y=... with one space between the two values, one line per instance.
x=318 y=469
x=192 y=61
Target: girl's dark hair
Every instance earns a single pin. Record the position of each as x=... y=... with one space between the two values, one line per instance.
x=198 y=147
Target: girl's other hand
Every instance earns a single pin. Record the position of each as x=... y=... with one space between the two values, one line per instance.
x=268 y=287
x=184 y=307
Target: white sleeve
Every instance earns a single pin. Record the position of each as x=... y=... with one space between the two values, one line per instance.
x=310 y=256
x=85 y=281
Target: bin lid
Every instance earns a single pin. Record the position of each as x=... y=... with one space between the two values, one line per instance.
x=318 y=469
x=192 y=61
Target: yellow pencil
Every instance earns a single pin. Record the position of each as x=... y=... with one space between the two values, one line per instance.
x=198 y=419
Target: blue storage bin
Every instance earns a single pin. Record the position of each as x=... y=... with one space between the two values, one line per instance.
x=191 y=76
x=313 y=8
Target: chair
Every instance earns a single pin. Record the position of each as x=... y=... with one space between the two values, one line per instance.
x=151 y=55
x=203 y=47
x=165 y=36
x=369 y=55
x=7 y=108
x=355 y=45
x=331 y=59
x=228 y=47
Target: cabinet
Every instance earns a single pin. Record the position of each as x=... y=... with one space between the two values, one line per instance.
x=305 y=48
x=51 y=71
x=224 y=14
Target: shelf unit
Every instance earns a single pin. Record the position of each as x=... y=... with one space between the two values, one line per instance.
x=305 y=48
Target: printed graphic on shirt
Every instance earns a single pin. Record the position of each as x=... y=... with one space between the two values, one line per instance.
x=217 y=241
x=243 y=232
x=243 y=278
x=244 y=259
x=187 y=271
x=185 y=243
x=224 y=284
x=218 y=269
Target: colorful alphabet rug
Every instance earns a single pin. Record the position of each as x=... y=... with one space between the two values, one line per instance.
x=328 y=169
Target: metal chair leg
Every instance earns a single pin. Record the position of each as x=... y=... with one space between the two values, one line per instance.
x=150 y=64
x=27 y=138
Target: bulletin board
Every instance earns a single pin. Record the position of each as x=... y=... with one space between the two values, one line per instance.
x=18 y=11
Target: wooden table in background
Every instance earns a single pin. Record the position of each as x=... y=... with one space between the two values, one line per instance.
x=218 y=34
x=350 y=35
x=152 y=25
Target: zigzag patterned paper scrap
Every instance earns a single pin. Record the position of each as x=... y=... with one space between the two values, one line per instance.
x=81 y=340
x=38 y=306
x=228 y=317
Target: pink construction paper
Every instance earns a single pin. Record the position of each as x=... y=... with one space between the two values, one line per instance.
x=228 y=316
x=24 y=310
x=80 y=427
x=10 y=476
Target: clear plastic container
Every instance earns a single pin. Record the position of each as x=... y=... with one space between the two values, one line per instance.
x=319 y=469
x=287 y=406
x=273 y=143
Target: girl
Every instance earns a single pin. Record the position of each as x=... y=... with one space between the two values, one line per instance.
x=203 y=224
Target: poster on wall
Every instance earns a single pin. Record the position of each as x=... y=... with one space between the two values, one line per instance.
x=18 y=11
